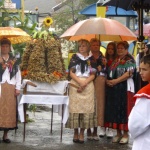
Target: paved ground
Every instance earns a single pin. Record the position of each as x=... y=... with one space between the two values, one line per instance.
x=38 y=137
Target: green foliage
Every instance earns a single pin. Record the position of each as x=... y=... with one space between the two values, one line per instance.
x=19 y=48
x=2 y=9
x=23 y=24
x=32 y=108
x=70 y=14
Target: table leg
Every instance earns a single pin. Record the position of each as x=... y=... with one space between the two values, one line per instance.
x=62 y=122
x=24 y=131
x=16 y=114
x=52 y=120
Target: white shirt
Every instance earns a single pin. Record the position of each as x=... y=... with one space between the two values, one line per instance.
x=16 y=80
x=139 y=124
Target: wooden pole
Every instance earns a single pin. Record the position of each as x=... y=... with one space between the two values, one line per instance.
x=22 y=9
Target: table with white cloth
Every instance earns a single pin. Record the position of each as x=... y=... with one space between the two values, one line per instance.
x=45 y=93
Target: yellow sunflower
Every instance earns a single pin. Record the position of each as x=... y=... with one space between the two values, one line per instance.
x=48 y=21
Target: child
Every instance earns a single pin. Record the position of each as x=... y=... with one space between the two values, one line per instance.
x=139 y=119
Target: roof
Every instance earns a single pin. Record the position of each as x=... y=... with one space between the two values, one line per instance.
x=44 y=6
x=91 y=11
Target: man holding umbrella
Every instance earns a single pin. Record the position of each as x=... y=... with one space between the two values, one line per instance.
x=10 y=84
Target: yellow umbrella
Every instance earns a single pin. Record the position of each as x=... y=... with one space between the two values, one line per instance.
x=15 y=35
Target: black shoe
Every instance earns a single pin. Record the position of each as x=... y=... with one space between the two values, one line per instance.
x=6 y=140
x=81 y=141
x=75 y=140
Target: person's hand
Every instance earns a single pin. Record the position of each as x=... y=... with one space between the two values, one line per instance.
x=17 y=92
x=99 y=68
x=83 y=83
x=80 y=89
x=111 y=83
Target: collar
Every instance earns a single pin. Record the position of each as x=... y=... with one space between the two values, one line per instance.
x=82 y=57
x=144 y=92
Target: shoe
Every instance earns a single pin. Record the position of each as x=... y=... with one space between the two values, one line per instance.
x=90 y=137
x=102 y=132
x=6 y=140
x=109 y=133
x=96 y=138
x=124 y=140
x=81 y=141
x=75 y=140
x=116 y=139
x=81 y=138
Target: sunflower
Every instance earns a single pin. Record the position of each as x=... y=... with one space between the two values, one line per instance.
x=48 y=21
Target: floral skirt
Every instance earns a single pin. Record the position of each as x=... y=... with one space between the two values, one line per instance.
x=8 y=105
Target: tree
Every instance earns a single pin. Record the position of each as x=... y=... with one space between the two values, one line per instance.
x=68 y=15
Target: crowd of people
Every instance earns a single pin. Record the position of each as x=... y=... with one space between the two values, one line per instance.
x=103 y=95
x=105 y=86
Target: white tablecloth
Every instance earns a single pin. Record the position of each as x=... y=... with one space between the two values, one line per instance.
x=43 y=87
x=44 y=99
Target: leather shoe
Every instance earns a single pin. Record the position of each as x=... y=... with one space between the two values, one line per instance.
x=81 y=141
x=6 y=140
x=75 y=140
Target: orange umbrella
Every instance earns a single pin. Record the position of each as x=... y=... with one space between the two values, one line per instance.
x=101 y=28
x=15 y=35
x=146 y=30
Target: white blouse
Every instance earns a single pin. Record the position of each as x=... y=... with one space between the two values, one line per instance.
x=16 y=80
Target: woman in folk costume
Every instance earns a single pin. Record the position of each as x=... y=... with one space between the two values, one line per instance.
x=119 y=92
x=139 y=118
x=81 y=99
x=99 y=84
x=10 y=83
x=111 y=54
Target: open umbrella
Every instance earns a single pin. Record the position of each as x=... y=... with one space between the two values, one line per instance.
x=102 y=28
x=137 y=5
x=146 y=30
x=126 y=4
x=15 y=35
